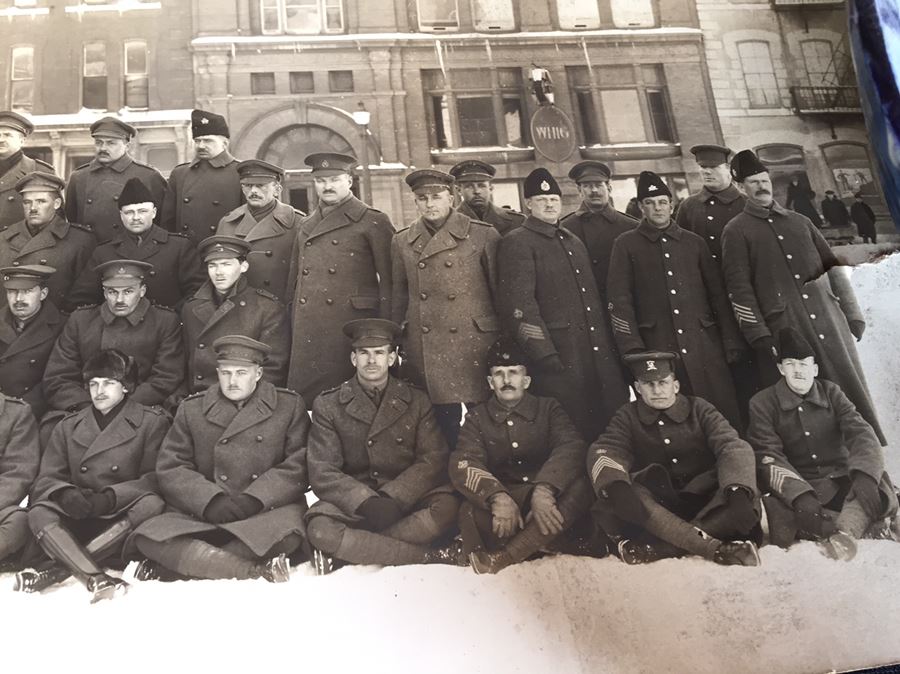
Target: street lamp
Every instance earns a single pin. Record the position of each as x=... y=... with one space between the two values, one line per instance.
x=362 y=117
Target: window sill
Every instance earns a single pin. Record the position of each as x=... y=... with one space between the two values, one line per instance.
x=120 y=6
x=625 y=151
x=12 y=12
x=491 y=155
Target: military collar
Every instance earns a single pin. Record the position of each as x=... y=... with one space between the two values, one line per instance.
x=607 y=212
x=726 y=196
x=58 y=227
x=352 y=207
x=653 y=234
x=207 y=291
x=541 y=227
x=224 y=158
x=788 y=400
x=155 y=233
x=135 y=317
x=677 y=412
x=119 y=165
x=456 y=224
x=761 y=211
x=264 y=393
x=394 y=387
x=527 y=408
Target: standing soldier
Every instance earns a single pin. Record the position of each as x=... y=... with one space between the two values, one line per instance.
x=14 y=164
x=864 y=217
x=44 y=237
x=203 y=191
x=474 y=183
x=29 y=326
x=834 y=211
x=126 y=321
x=775 y=264
x=444 y=280
x=92 y=194
x=548 y=300
x=227 y=305
x=267 y=224
x=176 y=269
x=596 y=222
x=20 y=456
x=666 y=293
x=340 y=271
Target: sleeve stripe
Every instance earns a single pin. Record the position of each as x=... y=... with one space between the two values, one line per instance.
x=605 y=462
x=474 y=476
x=777 y=476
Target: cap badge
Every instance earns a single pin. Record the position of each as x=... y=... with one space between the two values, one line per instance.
x=652 y=188
x=204 y=121
x=505 y=356
x=121 y=270
x=324 y=163
x=651 y=365
x=545 y=185
x=220 y=248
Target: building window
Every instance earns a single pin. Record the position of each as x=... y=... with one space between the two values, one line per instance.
x=301 y=16
x=262 y=84
x=476 y=108
x=93 y=84
x=340 y=81
x=438 y=15
x=622 y=104
x=21 y=85
x=25 y=4
x=759 y=74
x=137 y=83
x=302 y=83
x=163 y=158
x=578 y=14
x=493 y=15
x=633 y=13
x=817 y=56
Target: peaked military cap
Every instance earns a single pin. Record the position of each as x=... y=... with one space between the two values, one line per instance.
x=330 y=163
x=40 y=181
x=135 y=192
x=709 y=154
x=651 y=365
x=371 y=332
x=429 y=180
x=256 y=171
x=651 y=185
x=792 y=344
x=589 y=170
x=540 y=181
x=112 y=127
x=25 y=276
x=205 y=123
x=472 y=170
x=506 y=353
x=222 y=247
x=122 y=273
x=241 y=348
x=745 y=164
x=13 y=120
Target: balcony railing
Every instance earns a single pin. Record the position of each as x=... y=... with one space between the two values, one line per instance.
x=812 y=4
x=813 y=100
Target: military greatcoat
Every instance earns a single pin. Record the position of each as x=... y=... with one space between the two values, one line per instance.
x=214 y=448
x=92 y=195
x=546 y=285
x=20 y=454
x=357 y=451
x=706 y=214
x=65 y=246
x=503 y=219
x=340 y=271
x=151 y=334
x=247 y=311
x=11 y=210
x=24 y=355
x=176 y=269
x=200 y=194
x=443 y=298
x=774 y=265
x=271 y=242
x=121 y=457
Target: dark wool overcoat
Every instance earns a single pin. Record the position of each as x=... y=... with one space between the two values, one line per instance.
x=706 y=214
x=503 y=219
x=20 y=454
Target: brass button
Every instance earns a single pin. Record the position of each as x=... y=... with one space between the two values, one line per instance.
x=259 y=438
x=421 y=265
x=423 y=296
x=187 y=200
x=305 y=272
x=329 y=301
x=369 y=443
x=83 y=469
x=224 y=441
x=426 y=329
x=115 y=469
x=332 y=270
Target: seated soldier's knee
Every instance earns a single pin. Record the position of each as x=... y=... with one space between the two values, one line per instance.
x=325 y=533
x=40 y=517
x=144 y=508
x=444 y=510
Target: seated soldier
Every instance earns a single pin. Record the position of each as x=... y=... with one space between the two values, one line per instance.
x=820 y=462
x=96 y=481
x=233 y=472
x=518 y=454
x=227 y=305
x=672 y=475
x=20 y=457
x=378 y=463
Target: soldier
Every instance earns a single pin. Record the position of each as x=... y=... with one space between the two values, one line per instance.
x=20 y=456
x=340 y=270
x=672 y=476
x=234 y=513
x=14 y=164
x=774 y=264
x=864 y=218
x=44 y=237
x=201 y=192
x=548 y=300
x=378 y=463
x=29 y=326
x=92 y=194
x=444 y=280
x=520 y=466
x=666 y=293
x=176 y=272
x=268 y=225
x=97 y=481
x=820 y=461
x=474 y=185
x=126 y=321
x=834 y=211
x=227 y=305
x=596 y=222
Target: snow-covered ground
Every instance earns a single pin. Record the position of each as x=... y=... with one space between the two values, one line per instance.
x=798 y=612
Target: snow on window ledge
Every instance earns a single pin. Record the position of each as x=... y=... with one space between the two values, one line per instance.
x=12 y=12
x=114 y=6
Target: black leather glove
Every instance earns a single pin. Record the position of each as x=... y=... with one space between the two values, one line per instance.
x=73 y=502
x=551 y=364
x=740 y=509
x=380 y=512
x=765 y=347
x=102 y=502
x=248 y=505
x=222 y=509
x=858 y=328
x=811 y=518
x=866 y=491
x=626 y=503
